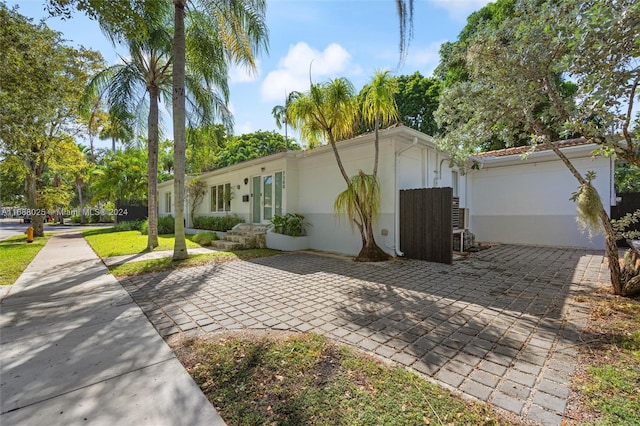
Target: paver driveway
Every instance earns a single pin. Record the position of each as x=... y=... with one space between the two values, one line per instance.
x=502 y=326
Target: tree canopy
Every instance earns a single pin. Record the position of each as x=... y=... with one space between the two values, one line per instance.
x=516 y=81
x=41 y=82
x=253 y=145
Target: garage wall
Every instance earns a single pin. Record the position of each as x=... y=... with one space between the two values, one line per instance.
x=528 y=201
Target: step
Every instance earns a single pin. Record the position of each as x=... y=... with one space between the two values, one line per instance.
x=226 y=245
x=242 y=239
x=251 y=228
x=245 y=233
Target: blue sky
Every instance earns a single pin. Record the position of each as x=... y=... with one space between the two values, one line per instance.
x=347 y=38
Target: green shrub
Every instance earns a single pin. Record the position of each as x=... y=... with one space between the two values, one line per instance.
x=75 y=218
x=205 y=238
x=291 y=224
x=217 y=223
x=129 y=225
x=166 y=225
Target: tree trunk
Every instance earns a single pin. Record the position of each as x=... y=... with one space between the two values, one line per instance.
x=79 y=184
x=152 y=161
x=370 y=251
x=32 y=205
x=179 y=132
x=611 y=247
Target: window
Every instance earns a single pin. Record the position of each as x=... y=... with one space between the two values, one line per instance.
x=454 y=183
x=220 y=200
x=167 y=202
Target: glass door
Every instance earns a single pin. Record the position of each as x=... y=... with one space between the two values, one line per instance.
x=267 y=204
x=267 y=197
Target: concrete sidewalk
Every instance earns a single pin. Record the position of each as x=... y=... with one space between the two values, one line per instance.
x=76 y=349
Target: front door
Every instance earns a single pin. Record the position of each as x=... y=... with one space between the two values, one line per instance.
x=267 y=196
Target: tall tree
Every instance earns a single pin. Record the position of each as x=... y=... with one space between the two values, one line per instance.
x=417 y=98
x=41 y=82
x=139 y=85
x=144 y=77
x=120 y=175
x=222 y=30
x=253 y=145
x=515 y=69
x=203 y=147
x=279 y=113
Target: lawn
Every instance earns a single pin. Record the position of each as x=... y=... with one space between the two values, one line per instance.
x=298 y=379
x=108 y=243
x=16 y=254
x=607 y=382
x=156 y=265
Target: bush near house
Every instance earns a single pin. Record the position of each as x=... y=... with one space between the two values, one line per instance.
x=205 y=238
x=217 y=223
x=166 y=225
x=291 y=224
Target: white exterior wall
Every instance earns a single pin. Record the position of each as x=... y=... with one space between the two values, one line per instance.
x=320 y=182
x=527 y=201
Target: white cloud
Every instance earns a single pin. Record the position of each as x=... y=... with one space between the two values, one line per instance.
x=293 y=70
x=425 y=58
x=459 y=9
x=240 y=74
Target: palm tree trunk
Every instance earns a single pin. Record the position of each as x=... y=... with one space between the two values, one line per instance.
x=152 y=161
x=179 y=132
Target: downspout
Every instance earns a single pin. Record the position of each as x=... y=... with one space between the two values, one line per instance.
x=438 y=172
x=396 y=197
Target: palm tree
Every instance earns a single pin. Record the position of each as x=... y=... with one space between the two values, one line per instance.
x=220 y=31
x=330 y=108
x=119 y=126
x=139 y=84
x=127 y=87
x=279 y=113
x=327 y=110
x=379 y=106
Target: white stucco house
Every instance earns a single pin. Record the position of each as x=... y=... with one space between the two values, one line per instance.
x=507 y=200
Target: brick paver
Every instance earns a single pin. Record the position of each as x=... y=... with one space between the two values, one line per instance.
x=501 y=326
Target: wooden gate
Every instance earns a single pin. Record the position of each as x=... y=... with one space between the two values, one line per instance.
x=629 y=203
x=426 y=229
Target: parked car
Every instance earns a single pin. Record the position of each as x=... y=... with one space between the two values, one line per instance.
x=26 y=218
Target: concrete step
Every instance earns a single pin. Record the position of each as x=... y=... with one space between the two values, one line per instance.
x=245 y=233
x=226 y=245
x=244 y=240
x=251 y=228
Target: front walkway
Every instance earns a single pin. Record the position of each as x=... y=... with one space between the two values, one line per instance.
x=75 y=349
x=502 y=326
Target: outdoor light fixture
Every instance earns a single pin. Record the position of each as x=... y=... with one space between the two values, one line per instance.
x=246 y=181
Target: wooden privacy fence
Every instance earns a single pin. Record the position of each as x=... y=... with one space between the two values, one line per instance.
x=426 y=226
x=128 y=210
x=629 y=203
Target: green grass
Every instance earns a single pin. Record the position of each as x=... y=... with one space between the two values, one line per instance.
x=157 y=265
x=16 y=254
x=108 y=243
x=305 y=379
x=611 y=384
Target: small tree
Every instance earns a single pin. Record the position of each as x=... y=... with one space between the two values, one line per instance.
x=196 y=190
x=331 y=109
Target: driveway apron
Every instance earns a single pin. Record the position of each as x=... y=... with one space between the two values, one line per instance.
x=502 y=326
